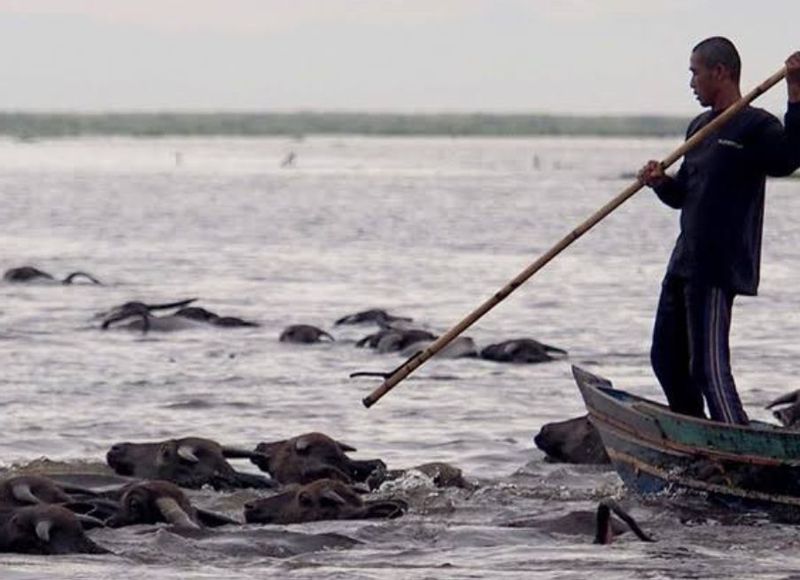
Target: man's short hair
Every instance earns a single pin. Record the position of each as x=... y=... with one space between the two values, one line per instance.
x=719 y=50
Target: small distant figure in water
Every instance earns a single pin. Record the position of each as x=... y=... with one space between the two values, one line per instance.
x=31 y=274
x=288 y=161
x=304 y=334
x=535 y=163
x=178 y=159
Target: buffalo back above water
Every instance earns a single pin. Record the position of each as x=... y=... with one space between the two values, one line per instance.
x=521 y=350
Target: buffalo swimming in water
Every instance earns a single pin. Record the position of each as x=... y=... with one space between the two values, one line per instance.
x=31 y=274
x=324 y=499
x=151 y=502
x=130 y=309
x=139 y=316
x=22 y=490
x=374 y=315
x=304 y=334
x=312 y=456
x=395 y=339
x=203 y=315
x=521 y=350
x=572 y=441
x=44 y=529
x=190 y=462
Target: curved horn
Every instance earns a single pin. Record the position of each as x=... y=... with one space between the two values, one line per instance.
x=43 y=530
x=177 y=304
x=174 y=513
x=71 y=277
x=90 y=522
x=603 y=533
x=792 y=397
x=345 y=446
x=324 y=334
x=333 y=496
x=112 y=319
x=610 y=504
x=784 y=416
x=78 y=490
x=548 y=348
x=128 y=314
x=22 y=493
x=186 y=453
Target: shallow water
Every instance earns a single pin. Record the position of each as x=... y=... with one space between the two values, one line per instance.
x=428 y=228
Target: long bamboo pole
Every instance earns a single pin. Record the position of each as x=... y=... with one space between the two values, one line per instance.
x=419 y=359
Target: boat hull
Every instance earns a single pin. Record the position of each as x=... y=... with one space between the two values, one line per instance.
x=656 y=451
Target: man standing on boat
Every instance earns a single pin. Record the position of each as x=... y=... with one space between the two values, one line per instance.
x=719 y=189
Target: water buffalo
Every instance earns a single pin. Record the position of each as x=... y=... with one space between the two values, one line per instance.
x=25 y=490
x=212 y=318
x=150 y=502
x=459 y=347
x=572 y=441
x=190 y=462
x=304 y=334
x=324 y=499
x=376 y=315
x=395 y=339
x=788 y=416
x=137 y=309
x=22 y=490
x=521 y=350
x=44 y=529
x=31 y=274
x=140 y=316
x=312 y=456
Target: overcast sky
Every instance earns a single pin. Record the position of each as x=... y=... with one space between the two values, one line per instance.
x=559 y=56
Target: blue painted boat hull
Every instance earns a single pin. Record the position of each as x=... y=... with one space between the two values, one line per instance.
x=656 y=451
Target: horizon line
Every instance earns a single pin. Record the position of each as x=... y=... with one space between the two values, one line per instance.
x=310 y=111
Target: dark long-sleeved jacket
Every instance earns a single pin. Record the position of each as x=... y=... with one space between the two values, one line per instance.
x=719 y=189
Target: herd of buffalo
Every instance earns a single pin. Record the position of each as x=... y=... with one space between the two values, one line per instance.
x=305 y=478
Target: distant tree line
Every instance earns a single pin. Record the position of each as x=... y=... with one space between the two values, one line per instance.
x=43 y=125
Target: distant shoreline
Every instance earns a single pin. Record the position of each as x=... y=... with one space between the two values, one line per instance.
x=25 y=125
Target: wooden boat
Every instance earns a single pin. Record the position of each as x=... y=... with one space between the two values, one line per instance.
x=656 y=451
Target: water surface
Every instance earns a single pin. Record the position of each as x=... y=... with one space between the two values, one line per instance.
x=428 y=228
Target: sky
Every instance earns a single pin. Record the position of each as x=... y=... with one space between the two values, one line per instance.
x=504 y=56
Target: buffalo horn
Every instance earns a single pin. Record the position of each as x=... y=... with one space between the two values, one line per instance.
x=22 y=492
x=174 y=514
x=43 y=529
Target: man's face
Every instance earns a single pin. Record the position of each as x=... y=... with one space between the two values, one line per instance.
x=705 y=81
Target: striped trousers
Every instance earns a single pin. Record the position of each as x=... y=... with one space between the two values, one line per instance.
x=690 y=353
